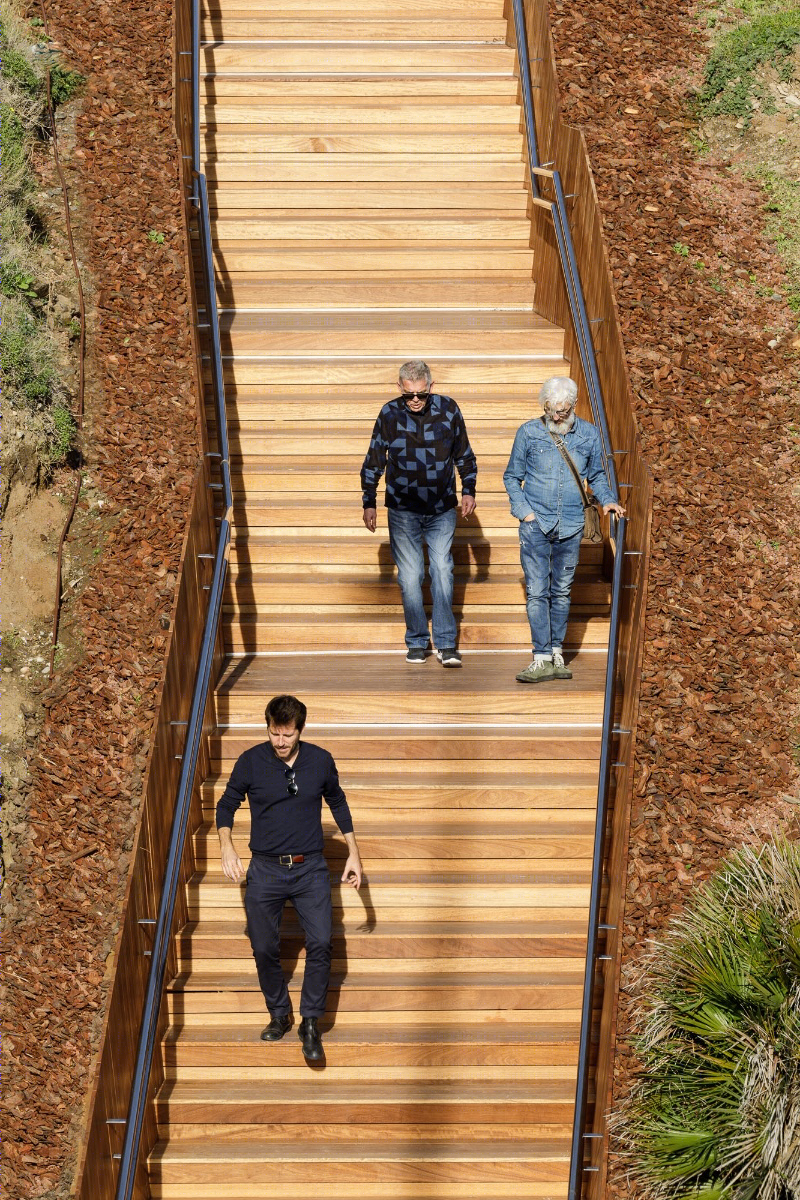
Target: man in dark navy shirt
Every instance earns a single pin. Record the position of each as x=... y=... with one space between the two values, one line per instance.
x=419 y=439
x=285 y=781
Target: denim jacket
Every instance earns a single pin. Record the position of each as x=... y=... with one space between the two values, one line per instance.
x=539 y=481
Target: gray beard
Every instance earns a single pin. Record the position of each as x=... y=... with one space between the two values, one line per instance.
x=561 y=427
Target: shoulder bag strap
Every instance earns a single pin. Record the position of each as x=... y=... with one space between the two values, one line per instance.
x=565 y=454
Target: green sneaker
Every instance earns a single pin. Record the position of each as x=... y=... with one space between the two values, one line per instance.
x=559 y=670
x=537 y=673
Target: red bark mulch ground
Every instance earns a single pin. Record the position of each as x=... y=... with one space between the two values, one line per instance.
x=718 y=726
x=76 y=820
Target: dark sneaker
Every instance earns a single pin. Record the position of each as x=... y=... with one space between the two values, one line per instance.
x=449 y=658
x=276 y=1029
x=417 y=654
x=537 y=673
x=559 y=670
x=312 y=1043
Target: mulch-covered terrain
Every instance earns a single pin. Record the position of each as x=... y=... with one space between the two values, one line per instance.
x=79 y=806
x=719 y=699
x=718 y=724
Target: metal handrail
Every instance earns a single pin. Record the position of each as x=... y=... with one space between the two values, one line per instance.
x=566 y=250
x=129 y=1158
x=576 y=1165
x=582 y=327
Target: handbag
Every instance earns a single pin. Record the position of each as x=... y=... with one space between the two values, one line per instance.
x=592 y=529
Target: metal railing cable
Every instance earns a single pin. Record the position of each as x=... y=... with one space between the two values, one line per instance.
x=582 y=327
x=139 y=1098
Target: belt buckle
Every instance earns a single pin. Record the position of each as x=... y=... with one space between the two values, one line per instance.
x=286 y=860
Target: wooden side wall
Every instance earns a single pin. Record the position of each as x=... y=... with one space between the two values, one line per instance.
x=564 y=149
x=109 y=1103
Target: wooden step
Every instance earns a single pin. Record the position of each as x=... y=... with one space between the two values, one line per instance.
x=395 y=169
x=470 y=551
x=301 y=1162
x=371 y=27
x=312 y=59
x=364 y=110
x=496 y=293
x=363 y=333
x=539 y=935
x=478 y=629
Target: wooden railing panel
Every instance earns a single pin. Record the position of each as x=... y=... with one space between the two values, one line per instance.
x=97 y=1175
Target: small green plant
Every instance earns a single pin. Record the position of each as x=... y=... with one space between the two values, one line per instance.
x=63 y=433
x=681 y=248
x=156 y=237
x=16 y=282
x=74 y=329
x=64 y=84
x=730 y=82
x=716 y=1109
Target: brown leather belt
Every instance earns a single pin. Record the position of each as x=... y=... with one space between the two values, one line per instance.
x=287 y=860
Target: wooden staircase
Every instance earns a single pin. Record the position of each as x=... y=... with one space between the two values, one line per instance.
x=368 y=194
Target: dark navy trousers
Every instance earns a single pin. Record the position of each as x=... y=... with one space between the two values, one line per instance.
x=308 y=886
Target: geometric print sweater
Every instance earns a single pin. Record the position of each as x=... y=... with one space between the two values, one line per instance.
x=418 y=452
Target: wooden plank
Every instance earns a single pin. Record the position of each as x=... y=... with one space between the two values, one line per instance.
x=308 y=58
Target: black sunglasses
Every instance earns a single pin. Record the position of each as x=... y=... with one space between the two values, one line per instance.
x=292 y=784
x=415 y=395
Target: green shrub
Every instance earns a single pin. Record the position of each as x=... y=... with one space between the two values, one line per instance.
x=64 y=84
x=730 y=76
x=60 y=443
x=716 y=1108
x=13 y=154
x=26 y=359
x=16 y=67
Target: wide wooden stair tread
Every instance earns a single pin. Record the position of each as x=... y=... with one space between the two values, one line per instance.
x=367 y=187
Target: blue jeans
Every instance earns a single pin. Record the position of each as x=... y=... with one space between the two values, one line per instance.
x=407 y=533
x=549 y=564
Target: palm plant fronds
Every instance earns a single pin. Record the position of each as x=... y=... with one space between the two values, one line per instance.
x=715 y=1110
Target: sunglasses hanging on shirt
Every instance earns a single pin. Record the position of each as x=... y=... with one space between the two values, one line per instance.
x=292 y=782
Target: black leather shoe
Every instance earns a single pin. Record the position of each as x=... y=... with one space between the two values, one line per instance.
x=277 y=1027
x=309 y=1035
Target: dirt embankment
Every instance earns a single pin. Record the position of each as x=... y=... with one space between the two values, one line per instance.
x=700 y=290
x=77 y=797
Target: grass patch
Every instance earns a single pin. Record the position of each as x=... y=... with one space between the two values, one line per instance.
x=783 y=225
x=716 y=1109
x=731 y=82
x=29 y=350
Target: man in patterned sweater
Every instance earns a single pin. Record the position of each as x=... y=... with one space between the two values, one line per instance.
x=418 y=439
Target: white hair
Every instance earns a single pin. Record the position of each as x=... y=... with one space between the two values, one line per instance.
x=558 y=390
x=414 y=370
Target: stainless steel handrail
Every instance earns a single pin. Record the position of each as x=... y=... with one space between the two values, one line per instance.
x=582 y=327
x=576 y=1164
x=566 y=249
x=129 y=1158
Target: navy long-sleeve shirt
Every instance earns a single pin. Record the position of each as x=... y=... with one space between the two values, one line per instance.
x=279 y=822
x=418 y=451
